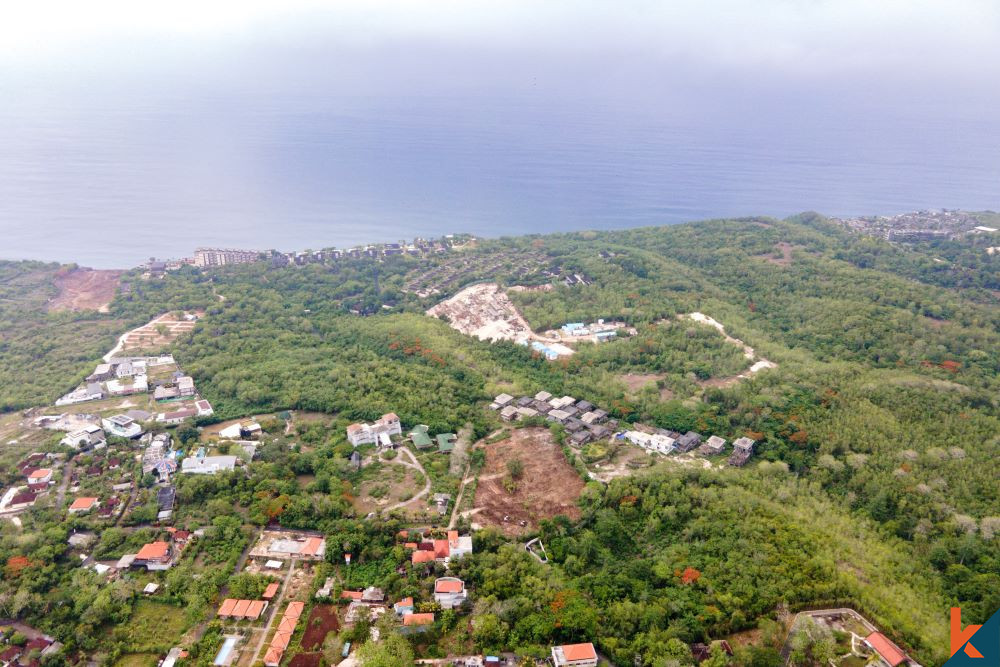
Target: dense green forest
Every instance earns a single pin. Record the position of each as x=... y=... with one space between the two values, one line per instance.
x=875 y=476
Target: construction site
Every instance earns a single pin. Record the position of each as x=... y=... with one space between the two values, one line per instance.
x=486 y=312
x=158 y=332
x=285 y=544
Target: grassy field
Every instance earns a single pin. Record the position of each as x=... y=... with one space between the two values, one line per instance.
x=155 y=626
x=138 y=660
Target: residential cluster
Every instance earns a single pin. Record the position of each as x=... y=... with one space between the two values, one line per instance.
x=173 y=391
x=102 y=479
x=662 y=441
x=927 y=225
x=463 y=268
x=35 y=648
x=448 y=592
x=216 y=257
x=583 y=421
x=37 y=471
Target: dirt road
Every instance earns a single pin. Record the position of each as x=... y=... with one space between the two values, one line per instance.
x=458 y=501
x=415 y=464
x=67 y=472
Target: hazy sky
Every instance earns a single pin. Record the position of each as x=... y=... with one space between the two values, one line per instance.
x=896 y=46
x=299 y=123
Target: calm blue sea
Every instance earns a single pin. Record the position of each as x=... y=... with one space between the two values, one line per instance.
x=109 y=186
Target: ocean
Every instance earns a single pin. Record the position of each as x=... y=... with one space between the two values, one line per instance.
x=110 y=185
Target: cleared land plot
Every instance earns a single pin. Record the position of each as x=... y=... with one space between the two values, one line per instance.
x=85 y=289
x=306 y=660
x=322 y=621
x=157 y=333
x=623 y=461
x=486 y=312
x=154 y=626
x=386 y=484
x=549 y=485
x=782 y=255
x=636 y=382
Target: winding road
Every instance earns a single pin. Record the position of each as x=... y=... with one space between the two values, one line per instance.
x=416 y=465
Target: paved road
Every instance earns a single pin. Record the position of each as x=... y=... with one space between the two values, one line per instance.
x=415 y=464
x=274 y=612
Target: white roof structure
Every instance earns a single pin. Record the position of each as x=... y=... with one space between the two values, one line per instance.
x=207 y=465
x=233 y=432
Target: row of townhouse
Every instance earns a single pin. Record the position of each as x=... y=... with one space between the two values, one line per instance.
x=583 y=421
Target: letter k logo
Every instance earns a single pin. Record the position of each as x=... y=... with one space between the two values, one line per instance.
x=960 y=637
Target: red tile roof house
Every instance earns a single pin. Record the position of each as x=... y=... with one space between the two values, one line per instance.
x=283 y=636
x=574 y=655
x=403 y=607
x=154 y=556
x=422 y=556
x=449 y=592
x=417 y=623
x=82 y=505
x=248 y=610
x=888 y=653
x=10 y=655
x=40 y=476
x=441 y=550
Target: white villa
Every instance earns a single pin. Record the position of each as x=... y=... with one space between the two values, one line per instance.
x=363 y=434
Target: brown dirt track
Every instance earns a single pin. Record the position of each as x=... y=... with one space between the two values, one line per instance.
x=85 y=289
x=549 y=486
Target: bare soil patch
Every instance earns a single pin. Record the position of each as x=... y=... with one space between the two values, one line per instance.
x=548 y=487
x=85 y=289
x=719 y=383
x=624 y=461
x=322 y=621
x=782 y=256
x=745 y=638
x=485 y=311
x=636 y=381
x=306 y=660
